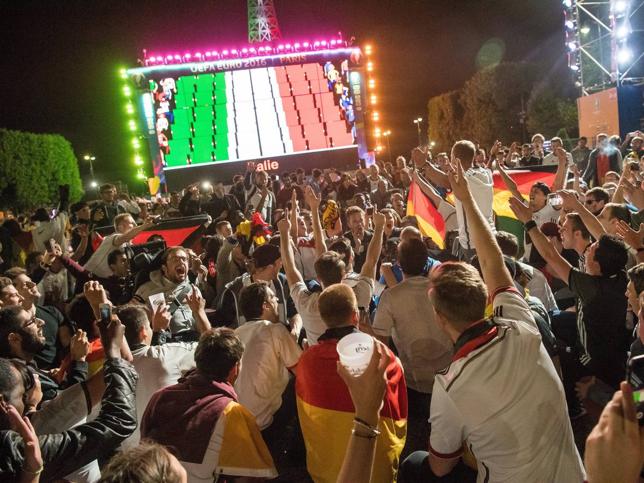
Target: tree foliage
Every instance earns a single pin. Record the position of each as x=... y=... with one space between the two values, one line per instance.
x=491 y=104
x=33 y=166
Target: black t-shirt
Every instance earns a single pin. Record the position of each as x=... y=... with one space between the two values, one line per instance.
x=359 y=255
x=601 y=318
x=53 y=319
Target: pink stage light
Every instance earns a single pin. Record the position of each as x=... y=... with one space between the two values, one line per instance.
x=224 y=52
x=187 y=56
x=296 y=45
x=252 y=50
x=234 y=52
x=280 y=47
x=306 y=45
x=208 y=54
x=177 y=57
x=316 y=44
x=198 y=54
x=323 y=42
x=268 y=48
x=244 y=50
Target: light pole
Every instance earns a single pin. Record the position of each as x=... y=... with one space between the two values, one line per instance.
x=386 y=134
x=91 y=159
x=417 y=121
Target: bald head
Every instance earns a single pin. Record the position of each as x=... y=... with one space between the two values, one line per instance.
x=409 y=233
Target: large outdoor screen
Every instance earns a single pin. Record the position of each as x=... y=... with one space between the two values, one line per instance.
x=304 y=109
x=254 y=113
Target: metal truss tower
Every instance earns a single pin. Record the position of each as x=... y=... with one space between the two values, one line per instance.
x=262 y=21
x=604 y=40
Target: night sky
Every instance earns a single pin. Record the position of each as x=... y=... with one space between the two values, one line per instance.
x=60 y=59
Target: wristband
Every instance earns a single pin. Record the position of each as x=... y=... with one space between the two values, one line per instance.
x=34 y=473
x=372 y=430
x=529 y=225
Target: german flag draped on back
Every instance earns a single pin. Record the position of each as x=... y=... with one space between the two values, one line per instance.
x=430 y=221
x=326 y=415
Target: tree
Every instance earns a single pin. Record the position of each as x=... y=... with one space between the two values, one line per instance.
x=33 y=166
x=445 y=115
x=549 y=113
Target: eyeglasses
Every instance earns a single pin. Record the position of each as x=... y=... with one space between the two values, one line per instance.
x=31 y=321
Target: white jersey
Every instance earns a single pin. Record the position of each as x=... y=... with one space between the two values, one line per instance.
x=503 y=397
x=482 y=188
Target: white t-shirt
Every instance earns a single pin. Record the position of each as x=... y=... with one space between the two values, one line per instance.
x=97 y=263
x=158 y=367
x=305 y=257
x=538 y=286
x=482 y=188
x=502 y=395
x=269 y=350
x=551 y=158
x=306 y=304
x=547 y=214
x=405 y=313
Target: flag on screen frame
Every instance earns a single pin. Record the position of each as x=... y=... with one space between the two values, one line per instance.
x=430 y=221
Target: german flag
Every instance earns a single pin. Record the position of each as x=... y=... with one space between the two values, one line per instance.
x=326 y=415
x=430 y=221
x=183 y=232
x=505 y=219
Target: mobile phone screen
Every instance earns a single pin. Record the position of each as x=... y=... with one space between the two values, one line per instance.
x=635 y=377
x=106 y=312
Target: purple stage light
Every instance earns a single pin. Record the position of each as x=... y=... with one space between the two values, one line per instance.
x=224 y=52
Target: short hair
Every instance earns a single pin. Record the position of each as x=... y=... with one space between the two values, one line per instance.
x=636 y=275
x=329 y=268
x=464 y=150
x=451 y=284
x=410 y=231
x=14 y=272
x=111 y=258
x=169 y=251
x=619 y=211
x=508 y=243
x=5 y=282
x=118 y=219
x=9 y=324
x=578 y=225
x=409 y=220
x=217 y=353
x=537 y=136
x=394 y=214
x=556 y=139
x=32 y=258
x=76 y=207
x=252 y=299
x=412 y=257
x=342 y=246
x=134 y=318
x=106 y=186
x=599 y=193
x=337 y=304
x=611 y=255
x=221 y=223
x=583 y=138
x=352 y=210
x=543 y=187
x=148 y=462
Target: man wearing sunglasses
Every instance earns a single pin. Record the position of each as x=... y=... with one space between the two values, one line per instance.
x=596 y=199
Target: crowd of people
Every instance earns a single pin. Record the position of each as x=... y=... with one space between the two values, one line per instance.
x=219 y=361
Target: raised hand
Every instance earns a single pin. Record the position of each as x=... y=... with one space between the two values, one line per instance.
x=284 y=225
x=368 y=389
x=79 y=346
x=95 y=294
x=33 y=463
x=614 y=447
x=458 y=182
x=195 y=301
x=378 y=220
x=160 y=318
x=112 y=336
x=631 y=237
x=520 y=210
x=569 y=199
x=311 y=198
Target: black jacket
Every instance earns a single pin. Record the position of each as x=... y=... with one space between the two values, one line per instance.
x=65 y=452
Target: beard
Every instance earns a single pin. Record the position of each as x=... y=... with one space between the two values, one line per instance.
x=32 y=344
